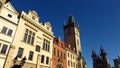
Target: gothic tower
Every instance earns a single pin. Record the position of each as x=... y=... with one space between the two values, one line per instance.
x=72 y=35
x=100 y=61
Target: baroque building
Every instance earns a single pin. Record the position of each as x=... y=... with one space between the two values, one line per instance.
x=117 y=62
x=33 y=43
x=100 y=61
x=8 y=26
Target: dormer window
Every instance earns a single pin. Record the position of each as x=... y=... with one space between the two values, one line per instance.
x=33 y=17
x=9 y=15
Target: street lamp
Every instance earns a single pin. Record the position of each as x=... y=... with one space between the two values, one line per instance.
x=22 y=62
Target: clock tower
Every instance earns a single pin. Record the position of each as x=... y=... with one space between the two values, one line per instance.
x=72 y=35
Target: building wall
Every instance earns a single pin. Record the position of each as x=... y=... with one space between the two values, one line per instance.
x=57 y=58
x=41 y=32
x=72 y=61
x=10 y=23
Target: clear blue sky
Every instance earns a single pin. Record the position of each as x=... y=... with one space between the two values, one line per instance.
x=99 y=22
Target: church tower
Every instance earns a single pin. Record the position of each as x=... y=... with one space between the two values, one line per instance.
x=72 y=35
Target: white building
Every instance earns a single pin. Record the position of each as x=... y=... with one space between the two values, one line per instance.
x=33 y=40
x=72 y=57
x=8 y=25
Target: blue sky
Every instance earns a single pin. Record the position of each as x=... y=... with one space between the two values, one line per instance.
x=99 y=22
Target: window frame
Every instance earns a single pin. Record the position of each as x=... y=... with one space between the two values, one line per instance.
x=37 y=48
x=4 y=30
x=31 y=55
x=4 y=49
x=42 y=58
x=29 y=36
x=47 y=60
x=20 y=52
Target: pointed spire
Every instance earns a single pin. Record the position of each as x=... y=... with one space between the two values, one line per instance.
x=119 y=56
x=71 y=20
x=93 y=53
x=102 y=50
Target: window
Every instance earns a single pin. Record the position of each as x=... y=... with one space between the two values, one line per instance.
x=4 y=30
x=58 y=52
x=30 y=55
x=46 y=45
x=64 y=55
x=4 y=48
x=68 y=54
x=20 y=52
x=37 y=48
x=71 y=64
x=33 y=17
x=9 y=32
x=42 y=59
x=68 y=63
x=61 y=54
x=47 y=60
x=29 y=36
x=9 y=15
x=0 y=44
x=54 y=51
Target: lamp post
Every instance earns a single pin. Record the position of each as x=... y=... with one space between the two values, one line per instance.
x=22 y=62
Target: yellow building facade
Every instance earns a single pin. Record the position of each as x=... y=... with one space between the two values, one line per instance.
x=8 y=25
x=33 y=41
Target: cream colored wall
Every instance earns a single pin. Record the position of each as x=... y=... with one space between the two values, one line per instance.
x=7 y=22
x=71 y=59
x=7 y=9
x=40 y=34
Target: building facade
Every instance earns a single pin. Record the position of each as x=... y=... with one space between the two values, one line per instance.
x=59 y=54
x=117 y=62
x=8 y=26
x=25 y=42
x=33 y=43
x=100 y=61
x=72 y=61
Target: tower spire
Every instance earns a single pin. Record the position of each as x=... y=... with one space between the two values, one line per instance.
x=71 y=20
x=93 y=53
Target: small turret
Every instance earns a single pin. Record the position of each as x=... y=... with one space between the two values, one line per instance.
x=103 y=55
x=94 y=56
